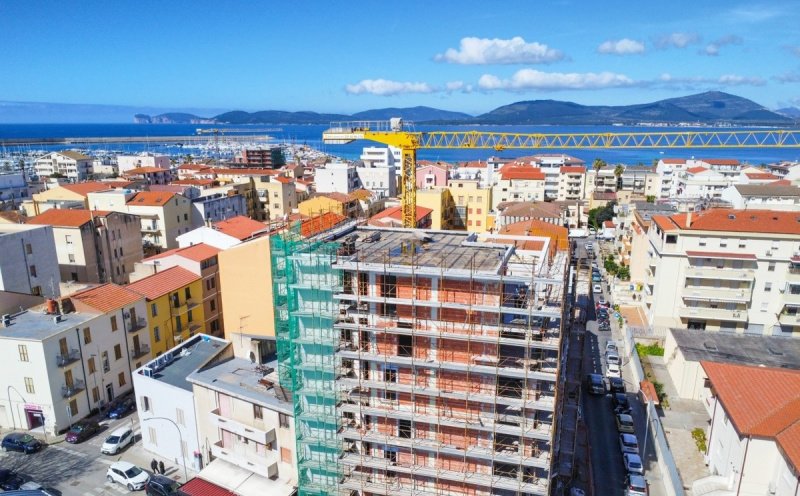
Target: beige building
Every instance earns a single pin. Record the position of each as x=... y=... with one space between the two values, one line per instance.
x=70 y=164
x=725 y=270
x=473 y=205
x=67 y=196
x=94 y=246
x=278 y=196
x=440 y=202
x=572 y=183
x=518 y=183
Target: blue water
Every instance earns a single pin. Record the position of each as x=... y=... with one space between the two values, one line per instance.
x=312 y=135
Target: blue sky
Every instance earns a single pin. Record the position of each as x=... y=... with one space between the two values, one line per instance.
x=345 y=57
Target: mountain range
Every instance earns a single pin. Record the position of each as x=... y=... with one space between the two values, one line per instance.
x=710 y=108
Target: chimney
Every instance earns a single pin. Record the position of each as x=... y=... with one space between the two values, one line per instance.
x=689 y=219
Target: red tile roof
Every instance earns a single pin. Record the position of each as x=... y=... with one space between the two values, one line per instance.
x=161 y=283
x=674 y=160
x=512 y=172
x=146 y=170
x=201 y=487
x=761 y=402
x=759 y=176
x=239 y=227
x=339 y=197
x=397 y=214
x=151 y=198
x=608 y=224
x=246 y=172
x=193 y=182
x=320 y=223
x=197 y=253
x=65 y=217
x=696 y=170
x=474 y=163
x=664 y=222
x=719 y=161
x=755 y=221
x=194 y=167
x=84 y=189
x=283 y=179
x=572 y=169
x=107 y=297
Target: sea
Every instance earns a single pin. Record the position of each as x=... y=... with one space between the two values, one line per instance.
x=311 y=135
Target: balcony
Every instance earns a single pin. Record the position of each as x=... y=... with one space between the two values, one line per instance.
x=791 y=298
x=741 y=295
x=150 y=228
x=793 y=275
x=70 y=390
x=726 y=273
x=791 y=319
x=136 y=325
x=140 y=351
x=720 y=314
x=194 y=327
x=260 y=436
x=265 y=465
x=64 y=359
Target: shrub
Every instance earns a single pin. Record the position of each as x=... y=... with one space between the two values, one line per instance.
x=699 y=436
x=650 y=349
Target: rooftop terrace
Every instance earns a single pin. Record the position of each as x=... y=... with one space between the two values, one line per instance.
x=186 y=358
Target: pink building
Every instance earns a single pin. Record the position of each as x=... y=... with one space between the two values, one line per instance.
x=431 y=175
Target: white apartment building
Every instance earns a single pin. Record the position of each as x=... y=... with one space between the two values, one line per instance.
x=337 y=177
x=29 y=263
x=762 y=196
x=13 y=187
x=670 y=170
x=700 y=182
x=518 y=183
x=753 y=438
x=379 y=156
x=571 y=182
x=725 y=270
x=381 y=180
x=72 y=165
x=128 y=162
x=64 y=363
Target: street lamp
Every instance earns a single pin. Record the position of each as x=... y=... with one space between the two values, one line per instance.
x=180 y=437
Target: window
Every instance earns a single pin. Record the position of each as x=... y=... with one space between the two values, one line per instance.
x=73 y=408
x=106 y=364
x=68 y=239
x=121 y=378
x=96 y=394
x=117 y=352
x=23 y=352
x=478 y=211
x=71 y=258
x=672 y=239
x=213 y=305
x=28 y=248
x=113 y=323
x=91 y=365
x=29 y=385
x=146 y=403
x=723 y=243
x=767 y=287
x=154 y=309
x=179 y=417
x=286 y=455
x=33 y=270
x=178 y=217
x=156 y=334
x=188 y=293
x=771 y=267
x=742 y=244
x=36 y=291
x=178 y=324
x=283 y=420
x=477 y=223
x=258 y=412
x=185 y=216
x=189 y=316
x=151 y=432
x=120 y=251
x=702 y=241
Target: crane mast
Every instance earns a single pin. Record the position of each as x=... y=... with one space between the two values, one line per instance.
x=401 y=135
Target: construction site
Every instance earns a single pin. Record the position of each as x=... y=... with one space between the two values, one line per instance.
x=420 y=362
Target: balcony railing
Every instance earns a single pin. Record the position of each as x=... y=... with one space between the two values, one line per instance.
x=70 y=390
x=789 y=319
x=716 y=294
x=136 y=325
x=720 y=273
x=142 y=350
x=265 y=465
x=64 y=359
x=721 y=314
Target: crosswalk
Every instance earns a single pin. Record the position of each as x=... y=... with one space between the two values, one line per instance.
x=107 y=488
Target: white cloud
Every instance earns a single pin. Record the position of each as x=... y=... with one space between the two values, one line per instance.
x=753 y=13
x=624 y=46
x=736 y=80
x=788 y=77
x=677 y=40
x=385 y=87
x=453 y=86
x=530 y=79
x=712 y=49
x=481 y=51
x=694 y=82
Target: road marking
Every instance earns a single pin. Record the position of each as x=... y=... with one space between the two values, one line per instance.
x=68 y=450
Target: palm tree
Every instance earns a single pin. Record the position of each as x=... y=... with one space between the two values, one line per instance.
x=598 y=164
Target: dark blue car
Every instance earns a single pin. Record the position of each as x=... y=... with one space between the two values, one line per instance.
x=121 y=408
x=17 y=441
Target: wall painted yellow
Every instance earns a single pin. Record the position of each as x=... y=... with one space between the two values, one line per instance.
x=166 y=317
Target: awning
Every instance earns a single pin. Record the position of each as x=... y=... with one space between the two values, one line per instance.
x=715 y=254
x=243 y=482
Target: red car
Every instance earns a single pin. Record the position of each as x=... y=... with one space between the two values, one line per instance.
x=82 y=431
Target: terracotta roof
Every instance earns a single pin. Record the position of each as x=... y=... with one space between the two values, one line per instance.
x=119 y=184
x=151 y=198
x=201 y=487
x=65 y=217
x=246 y=172
x=716 y=254
x=320 y=223
x=511 y=172
x=536 y=210
x=473 y=163
x=781 y=182
x=13 y=216
x=673 y=160
x=761 y=176
x=572 y=169
x=74 y=155
x=84 y=189
x=146 y=170
x=608 y=224
x=239 y=227
x=194 y=167
x=768 y=190
x=283 y=179
x=339 y=197
x=361 y=194
x=537 y=228
x=197 y=253
x=397 y=214
x=754 y=221
x=193 y=182
x=719 y=161
x=664 y=222
x=107 y=297
x=161 y=283
x=696 y=170
x=760 y=401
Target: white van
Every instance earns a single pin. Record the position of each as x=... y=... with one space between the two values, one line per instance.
x=117 y=441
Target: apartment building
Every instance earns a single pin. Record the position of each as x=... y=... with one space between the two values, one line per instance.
x=440 y=201
x=769 y=196
x=278 y=197
x=337 y=177
x=75 y=166
x=223 y=234
x=571 y=183
x=68 y=196
x=128 y=162
x=753 y=437
x=473 y=205
x=338 y=203
x=378 y=179
x=29 y=263
x=640 y=180
x=519 y=183
x=431 y=175
x=94 y=246
x=379 y=156
x=174 y=309
x=726 y=270
x=270 y=158
x=672 y=170
x=420 y=361
x=13 y=187
x=67 y=359
x=200 y=259
x=216 y=207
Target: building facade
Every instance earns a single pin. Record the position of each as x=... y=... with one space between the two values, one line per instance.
x=75 y=166
x=29 y=263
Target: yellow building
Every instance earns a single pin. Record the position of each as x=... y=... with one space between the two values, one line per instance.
x=337 y=203
x=473 y=205
x=440 y=202
x=174 y=306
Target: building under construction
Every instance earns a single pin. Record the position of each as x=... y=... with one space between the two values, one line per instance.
x=420 y=362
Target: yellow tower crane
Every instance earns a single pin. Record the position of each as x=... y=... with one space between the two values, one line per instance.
x=401 y=135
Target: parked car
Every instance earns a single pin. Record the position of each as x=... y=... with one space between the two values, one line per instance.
x=604 y=326
x=633 y=464
x=597 y=288
x=5 y=474
x=121 y=408
x=14 y=482
x=589 y=247
x=18 y=441
x=596 y=278
x=596 y=384
x=628 y=443
x=127 y=474
x=616 y=384
x=621 y=403
x=611 y=346
x=82 y=431
x=603 y=303
x=160 y=485
x=612 y=358
x=117 y=441
x=625 y=423
x=613 y=370
x=635 y=485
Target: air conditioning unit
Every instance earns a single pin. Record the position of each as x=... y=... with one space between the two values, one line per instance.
x=147 y=372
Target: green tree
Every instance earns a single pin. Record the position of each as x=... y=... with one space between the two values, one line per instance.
x=651 y=198
x=624 y=272
x=601 y=214
x=618 y=170
x=598 y=164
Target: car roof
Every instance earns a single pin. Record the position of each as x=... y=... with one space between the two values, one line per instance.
x=625 y=416
x=627 y=437
x=120 y=431
x=633 y=456
x=122 y=465
x=621 y=396
x=637 y=479
x=162 y=479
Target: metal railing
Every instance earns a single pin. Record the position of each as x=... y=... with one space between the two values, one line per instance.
x=64 y=359
x=70 y=390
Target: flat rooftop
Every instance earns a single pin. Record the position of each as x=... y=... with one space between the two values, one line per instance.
x=244 y=380
x=186 y=358
x=36 y=325
x=769 y=351
x=423 y=248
